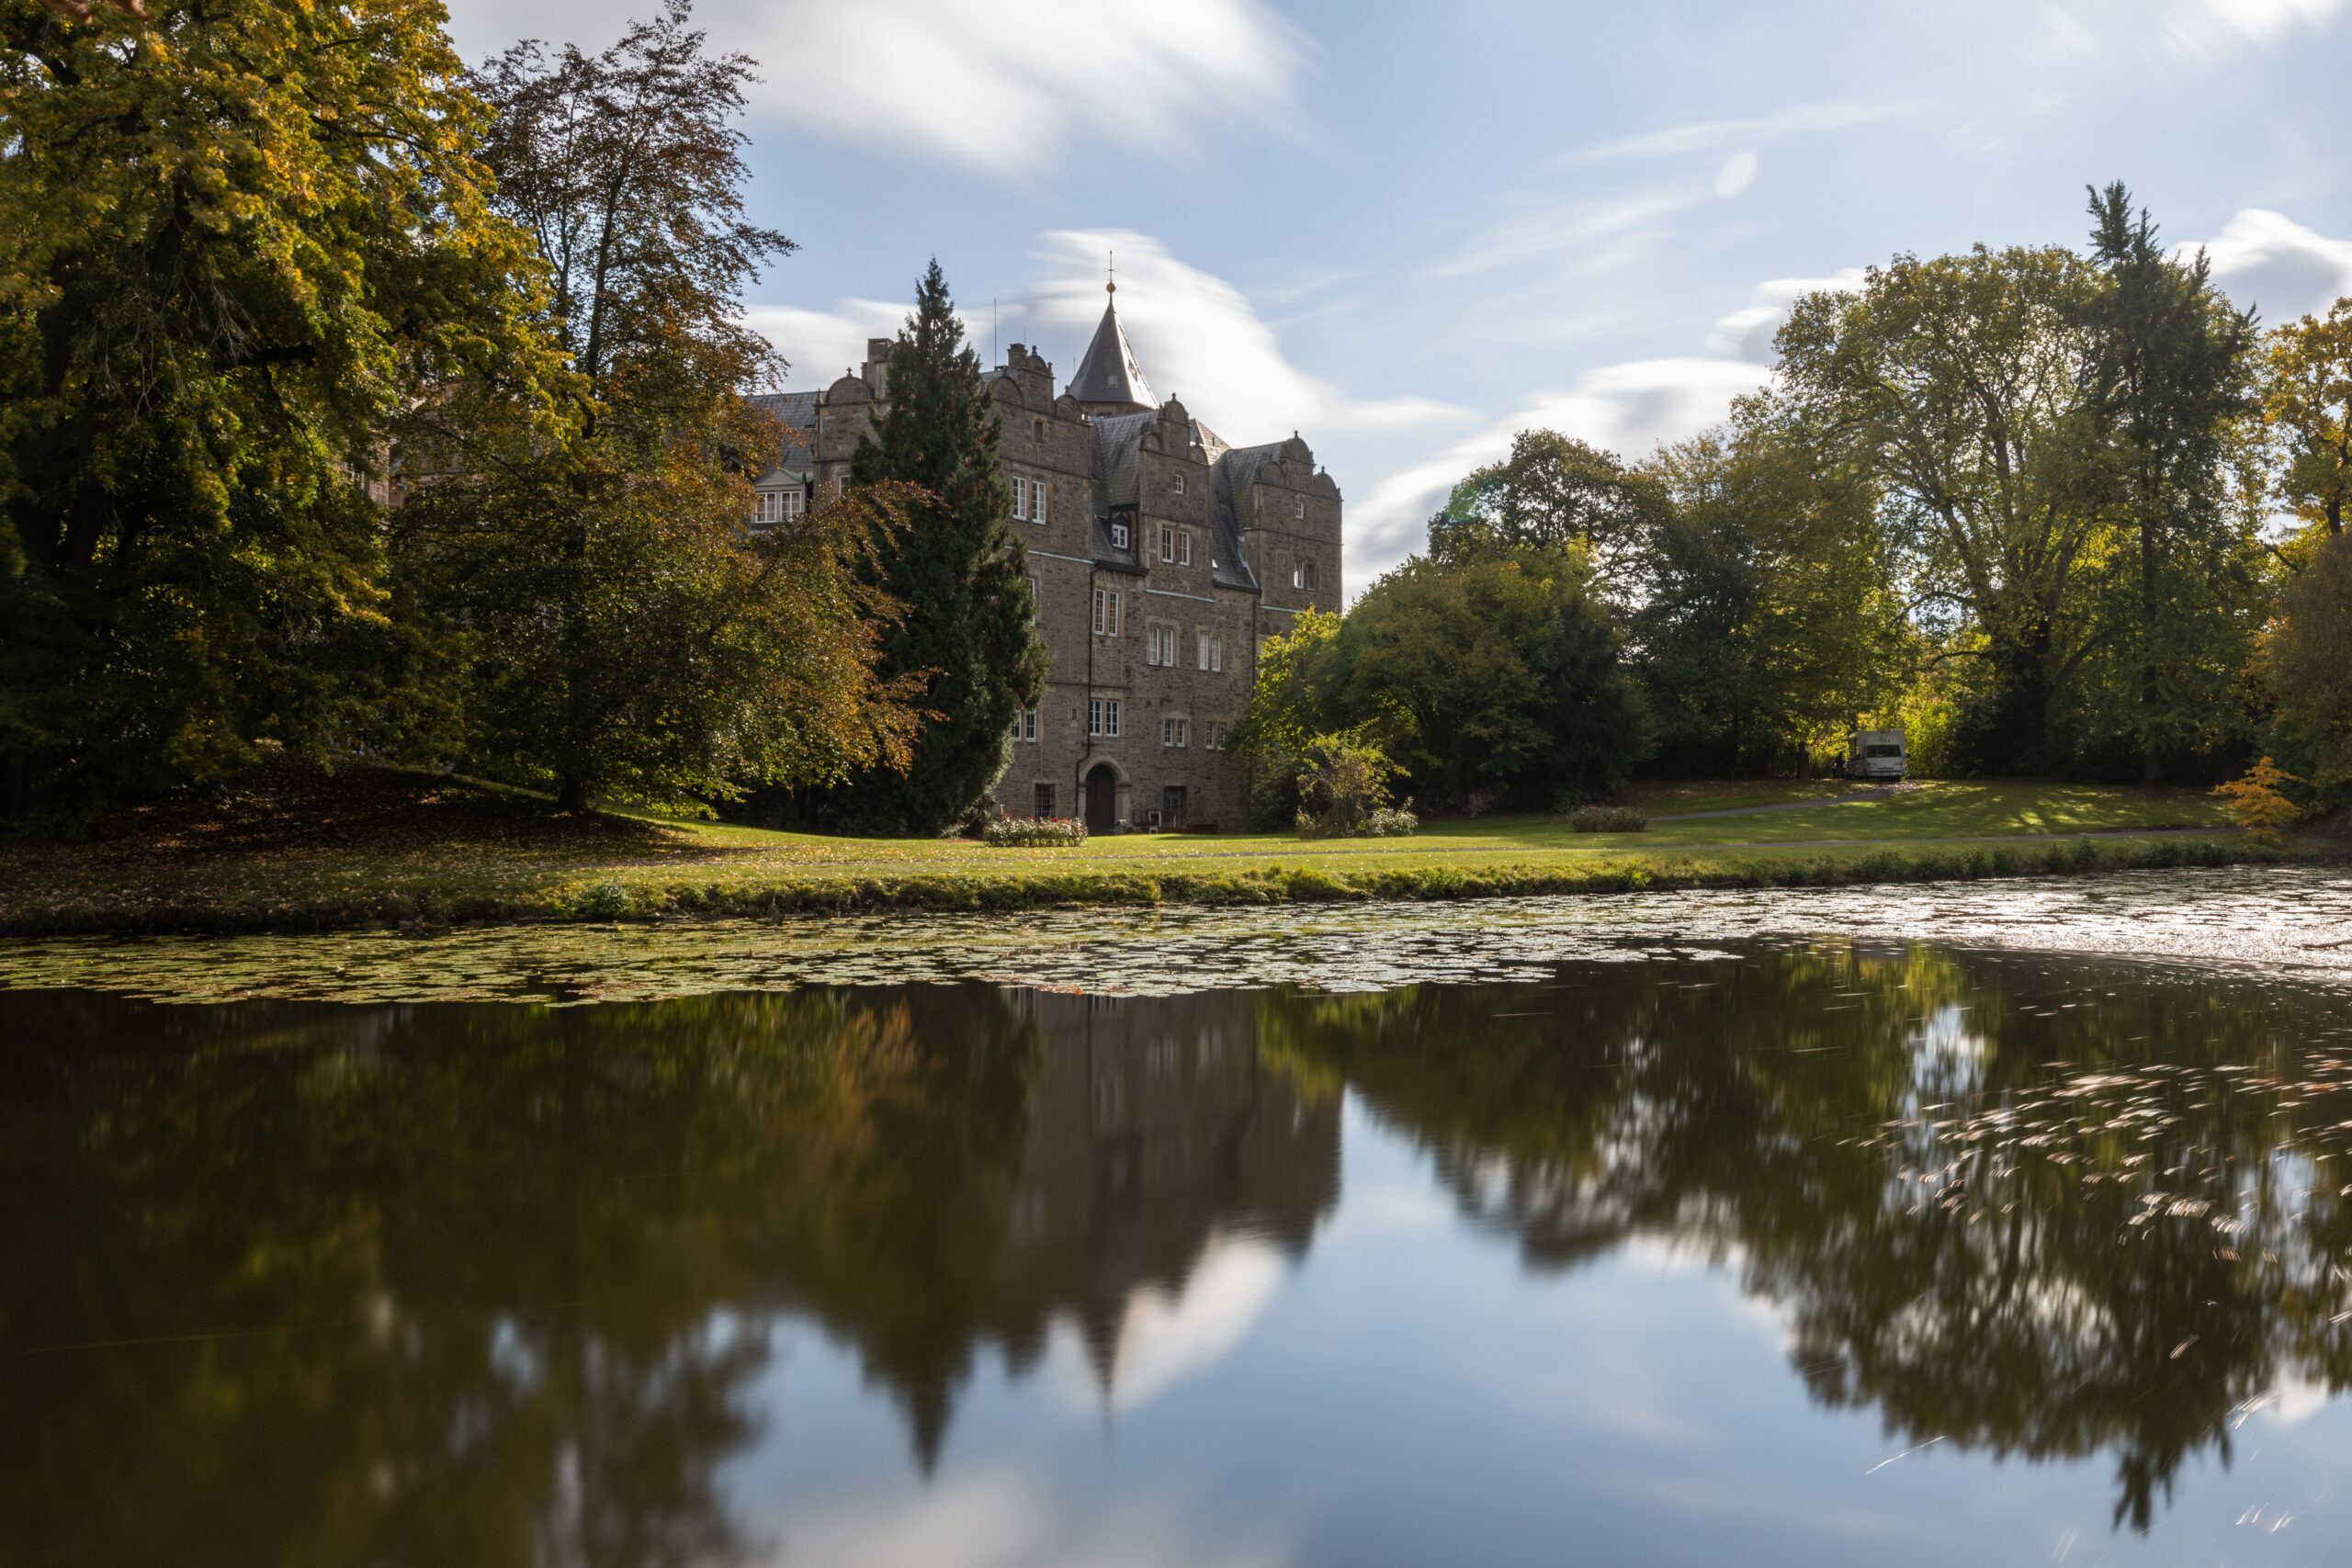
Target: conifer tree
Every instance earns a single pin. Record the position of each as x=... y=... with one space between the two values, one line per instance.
x=961 y=573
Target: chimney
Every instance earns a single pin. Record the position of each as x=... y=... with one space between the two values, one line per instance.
x=877 y=368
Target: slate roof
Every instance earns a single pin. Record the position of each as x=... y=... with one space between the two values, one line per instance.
x=1230 y=479
x=797 y=414
x=1109 y=373
x=1118 y=441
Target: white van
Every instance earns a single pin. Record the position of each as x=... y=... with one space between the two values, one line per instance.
x=1875 y=754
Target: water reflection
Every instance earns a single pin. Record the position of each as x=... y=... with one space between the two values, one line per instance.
x=496 y=1284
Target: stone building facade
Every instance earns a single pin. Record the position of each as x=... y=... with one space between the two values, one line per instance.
x=1163 y=560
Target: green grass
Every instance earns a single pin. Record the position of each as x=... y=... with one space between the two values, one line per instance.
x=381 y=846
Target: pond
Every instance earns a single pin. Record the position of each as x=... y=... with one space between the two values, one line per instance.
x=1770 y=1248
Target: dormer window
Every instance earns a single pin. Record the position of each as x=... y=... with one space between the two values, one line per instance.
x=1118 y=535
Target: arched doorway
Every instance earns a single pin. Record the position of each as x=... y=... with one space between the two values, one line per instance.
x=1101 y=798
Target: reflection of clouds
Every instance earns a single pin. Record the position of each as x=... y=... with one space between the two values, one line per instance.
x=1164 y=1337
x=998 y=1520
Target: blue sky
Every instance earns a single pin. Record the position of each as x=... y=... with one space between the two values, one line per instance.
x=1406 y=231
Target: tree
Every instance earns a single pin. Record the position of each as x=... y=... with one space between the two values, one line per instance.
x=688 y=661
x=236 y=237
x=1494 y=681
x=2307 y=401
x=2305 y=657
x=1552 y=492
x=1770 y=616
x=962 y=575
x=2170 y=375
x=621 y=633
x=1960 y=383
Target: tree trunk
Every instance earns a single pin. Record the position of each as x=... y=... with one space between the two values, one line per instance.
x=572 y=794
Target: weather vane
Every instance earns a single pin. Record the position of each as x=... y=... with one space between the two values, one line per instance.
x=1111 y=266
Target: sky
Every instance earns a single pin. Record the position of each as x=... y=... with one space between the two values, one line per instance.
x=1409 y=231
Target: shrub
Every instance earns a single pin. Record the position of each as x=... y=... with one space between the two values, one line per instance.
x=1033 y=832
x=1608 y=820
x=1342 y=784
x=2257 y=802
x=603 y=900
x=1387 y=822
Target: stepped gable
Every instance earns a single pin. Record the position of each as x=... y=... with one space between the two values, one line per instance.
x=1109 y=380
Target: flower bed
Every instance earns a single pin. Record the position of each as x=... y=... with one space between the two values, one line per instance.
x=1033 y=832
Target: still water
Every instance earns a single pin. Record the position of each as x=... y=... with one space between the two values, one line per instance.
x=1790 y=1252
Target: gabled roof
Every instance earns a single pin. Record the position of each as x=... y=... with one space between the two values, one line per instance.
x=1109 y=373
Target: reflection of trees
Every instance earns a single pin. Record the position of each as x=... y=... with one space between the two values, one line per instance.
x=1959 y=1211
x=488 y=1284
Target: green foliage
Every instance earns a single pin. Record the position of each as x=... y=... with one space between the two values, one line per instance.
x=621 y=637
x=1495 y=678
x=2307 y=403
x=2307 y=663
x=616 y=630
x=1769 y=623
x=969 y=627
x=2171 y=382
x=236 y=239
x=1342 y=787
x=1608 y=820
x=1552 y=493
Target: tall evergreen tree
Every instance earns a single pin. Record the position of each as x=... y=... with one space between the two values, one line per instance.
x=970 y=619
x=2171 y=373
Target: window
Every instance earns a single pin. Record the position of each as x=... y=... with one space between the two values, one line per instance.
x=1045 y=801
x=1025 y=727
x=1184 y=550
x=1183 y=728
x=1174 y=731
x=1168 y=543
x=1171 y=801
x=1118 y=535
x=1303 y=575
x=1019 y=499
x=1212 y=650
x=1180 y=484
x=777 y=506
x=1036 y=601
x=1037 y=430
x=1298 y=509
x=1103 y=716
x=1159 y=645
x=1038 y=493
x=1106 y=612
x=1213 y=736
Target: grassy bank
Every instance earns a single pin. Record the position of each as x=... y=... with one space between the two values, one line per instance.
x=375 y=846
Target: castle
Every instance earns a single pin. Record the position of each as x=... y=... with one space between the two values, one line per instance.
x=1162 y=560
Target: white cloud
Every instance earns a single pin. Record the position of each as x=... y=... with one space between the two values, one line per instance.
x=824 y=345
x=1706 y=136
x=1747 y=333
x=2267 y=259
x=1627 y=409
x=1739 y=170
x=1198 y=338
x=2266 y=21
x=1003 y=86
x=1611 y=234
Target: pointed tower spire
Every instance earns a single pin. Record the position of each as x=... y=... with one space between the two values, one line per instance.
x=1109 y=380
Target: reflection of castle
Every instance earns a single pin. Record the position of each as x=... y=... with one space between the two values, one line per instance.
x=1159 y=1147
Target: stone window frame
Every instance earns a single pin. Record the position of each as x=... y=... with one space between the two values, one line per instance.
x=1102 y=718
x=1106 y=612
x=1175 y=733
x=1209 y=651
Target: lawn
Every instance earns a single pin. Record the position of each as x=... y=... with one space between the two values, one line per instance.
x=374 y=845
